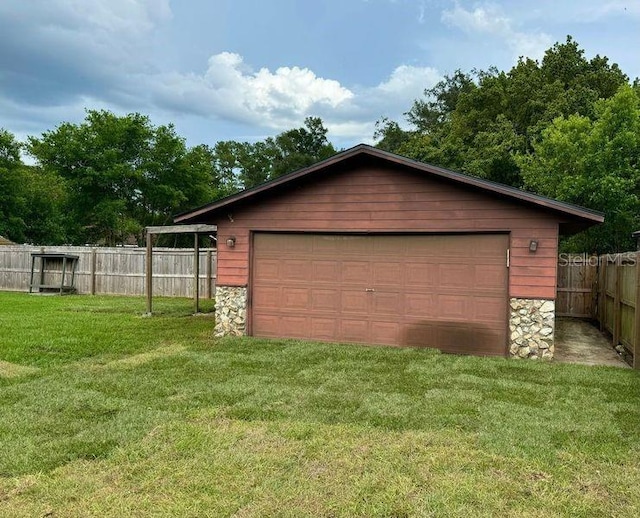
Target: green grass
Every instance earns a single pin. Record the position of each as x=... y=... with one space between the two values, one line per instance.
x=106 y=413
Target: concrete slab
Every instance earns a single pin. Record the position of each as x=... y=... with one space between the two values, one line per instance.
x=579 y=341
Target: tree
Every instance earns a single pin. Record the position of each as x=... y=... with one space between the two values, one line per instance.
x=173 y=179
x=31 y=200
x=594 y=163
x=430 y=114
x=479 y=122
x=298 y=148
x=45 y=200
x=121 y=174
x=99 y=161
x=242 y=165
x=390 y=136
x=12 y=224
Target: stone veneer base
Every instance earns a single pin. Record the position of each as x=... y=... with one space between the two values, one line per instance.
x=231 y=311
x=531 y=328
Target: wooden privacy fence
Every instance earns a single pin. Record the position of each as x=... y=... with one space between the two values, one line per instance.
x=605 y=288
x=117 y=271
x=619 y=301
x=577 y=287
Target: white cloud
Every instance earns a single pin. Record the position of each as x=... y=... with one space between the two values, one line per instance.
x=280 y=99
x=422 y=8
x=489 y=19
x=530 y=45
x=390 y=98
x=231 y=90
x=407 y=81
x=485 y=19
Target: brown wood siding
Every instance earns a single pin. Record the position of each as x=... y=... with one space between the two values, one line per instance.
x=394 y=200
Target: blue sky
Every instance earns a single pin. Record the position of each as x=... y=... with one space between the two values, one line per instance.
x=247 y=69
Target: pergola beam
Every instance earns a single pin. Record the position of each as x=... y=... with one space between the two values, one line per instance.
x=182 y=229
x=196 y=230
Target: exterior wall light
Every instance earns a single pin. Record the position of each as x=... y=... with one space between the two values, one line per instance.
x=231 y=241
x=533 y=245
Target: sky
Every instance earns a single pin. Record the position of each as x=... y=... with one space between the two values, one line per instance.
x=248 y=69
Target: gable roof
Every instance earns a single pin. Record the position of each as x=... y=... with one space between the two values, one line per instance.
x=5 y=241
x=579 y=217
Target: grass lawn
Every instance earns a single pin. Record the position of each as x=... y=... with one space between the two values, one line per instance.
x=106 y=413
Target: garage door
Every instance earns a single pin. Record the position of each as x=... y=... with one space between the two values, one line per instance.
x=444 y=291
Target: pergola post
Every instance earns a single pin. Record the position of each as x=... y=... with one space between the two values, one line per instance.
x=149 y=272
x=208 y=276
x=196 y=273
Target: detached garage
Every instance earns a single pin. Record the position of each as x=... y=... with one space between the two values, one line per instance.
x=369 y=247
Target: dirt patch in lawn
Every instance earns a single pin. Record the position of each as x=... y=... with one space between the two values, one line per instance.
x=15 y=370
x=139 y=359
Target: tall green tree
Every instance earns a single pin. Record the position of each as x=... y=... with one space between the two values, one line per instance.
x=479 y=122
x=121 y=174
x=12 y=202
x=31 y=200
x=174 y=178
x=99 y=160
x=594 y=162
x=300 y=147
x=45 y=202
x=241 y=165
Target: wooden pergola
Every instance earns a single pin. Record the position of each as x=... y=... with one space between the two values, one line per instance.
x=196 y=230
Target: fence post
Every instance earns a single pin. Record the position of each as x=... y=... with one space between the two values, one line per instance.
x=602 y=290
x=93 y=271
x=636 y=329
x=594 y=282
x=617 y=306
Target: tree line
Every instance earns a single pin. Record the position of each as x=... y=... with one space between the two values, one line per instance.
x=104 y=180
x=565 y=126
